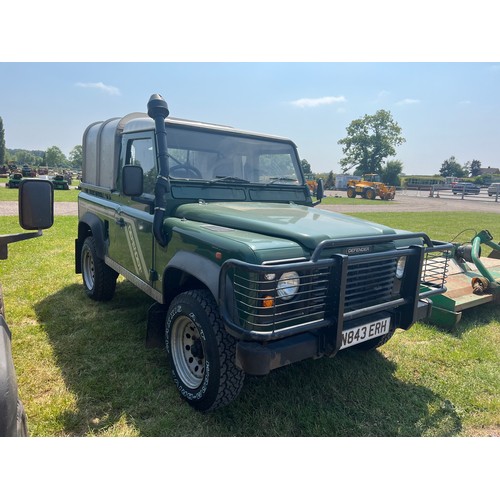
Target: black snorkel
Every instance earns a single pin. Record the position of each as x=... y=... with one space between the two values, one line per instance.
x=158 y=111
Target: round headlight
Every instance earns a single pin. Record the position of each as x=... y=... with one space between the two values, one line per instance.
x=288 y=285
x=400 y=268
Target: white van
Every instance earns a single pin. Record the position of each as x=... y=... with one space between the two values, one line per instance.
x=494 y=189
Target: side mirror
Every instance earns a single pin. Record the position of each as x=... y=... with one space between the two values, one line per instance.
x=132 y=180
x=36 y=204
x=320 y=191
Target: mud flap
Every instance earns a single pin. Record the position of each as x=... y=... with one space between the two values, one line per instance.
x=155 y=332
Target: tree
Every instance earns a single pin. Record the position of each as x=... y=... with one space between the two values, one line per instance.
x=330 y=181
x=370 y=140
x=2 y=143
x=55 y=157
x=76 y=156
x=391 y=172
x=474 y=168
x=451 y=168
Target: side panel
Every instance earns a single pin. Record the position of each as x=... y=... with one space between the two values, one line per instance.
x=131 y=241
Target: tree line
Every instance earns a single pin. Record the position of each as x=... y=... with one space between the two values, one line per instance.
x=53 y=157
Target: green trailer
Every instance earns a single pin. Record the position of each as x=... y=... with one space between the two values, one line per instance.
x=472 y=280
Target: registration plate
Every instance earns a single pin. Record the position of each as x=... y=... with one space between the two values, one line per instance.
x=357 y=334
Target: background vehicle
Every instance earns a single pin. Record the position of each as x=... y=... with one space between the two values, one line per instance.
x=60 y=182
x=14 y=180
x=494 y=189
x=36 y=211
x=465 y=188
x=218 y=227
x=370 y=187
x=27 y=171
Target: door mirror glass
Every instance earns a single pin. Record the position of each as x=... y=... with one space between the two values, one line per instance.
x=320 y=190
x=132 y=180
x=36 y=204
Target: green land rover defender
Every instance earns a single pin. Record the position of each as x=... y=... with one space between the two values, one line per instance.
x=218 y=227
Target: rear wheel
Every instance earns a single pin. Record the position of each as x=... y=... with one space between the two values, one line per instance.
x=201 y=353
x=99 y=279
x=351 y=192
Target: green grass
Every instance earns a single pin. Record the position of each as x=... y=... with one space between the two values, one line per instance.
x=7 y=194
x=83 y=368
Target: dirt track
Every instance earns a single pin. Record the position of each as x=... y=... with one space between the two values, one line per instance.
x=410 y=201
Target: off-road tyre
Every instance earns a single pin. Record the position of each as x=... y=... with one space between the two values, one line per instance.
x=2 y=307
x=370 y=194
x=351 y=192
x=99 y=280
x=201 y=353
x=371 y=345
x=22 y=420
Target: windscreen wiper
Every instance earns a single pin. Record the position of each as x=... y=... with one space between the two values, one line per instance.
x=229 y=178
x=281 y=179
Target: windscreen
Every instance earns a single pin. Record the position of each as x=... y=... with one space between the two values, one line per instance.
x=220 y=157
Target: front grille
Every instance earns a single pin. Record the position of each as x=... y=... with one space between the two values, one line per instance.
x=369 y=283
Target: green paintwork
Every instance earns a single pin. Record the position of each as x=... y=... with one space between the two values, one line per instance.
x=307 y=226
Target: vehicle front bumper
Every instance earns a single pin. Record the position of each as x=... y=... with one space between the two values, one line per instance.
x=256 y=358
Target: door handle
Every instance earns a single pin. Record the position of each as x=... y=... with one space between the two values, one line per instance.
x=120 y=222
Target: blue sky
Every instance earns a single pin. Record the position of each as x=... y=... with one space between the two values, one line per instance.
x=434 y=65
x=444 y=109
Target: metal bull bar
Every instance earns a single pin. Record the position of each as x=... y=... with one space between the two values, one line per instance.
x=334 y=290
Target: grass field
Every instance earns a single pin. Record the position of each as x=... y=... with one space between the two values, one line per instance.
x=7 y=194
x=83 y=368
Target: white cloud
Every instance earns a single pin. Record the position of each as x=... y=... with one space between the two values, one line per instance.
x=465 y=103
x=306 y=102
x=407 y=101
x=108 y=89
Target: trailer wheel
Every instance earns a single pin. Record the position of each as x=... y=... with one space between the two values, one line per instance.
x=200 y=352
x=351 y=192
x=99 y=279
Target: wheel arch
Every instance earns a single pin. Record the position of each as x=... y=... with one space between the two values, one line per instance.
x=187 y=271
x=90 y=225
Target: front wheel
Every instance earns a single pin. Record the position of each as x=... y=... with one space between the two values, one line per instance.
x=201 y=353
x=370 y=194
x=351 y=193
x=99 y=279
x=22 y=420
